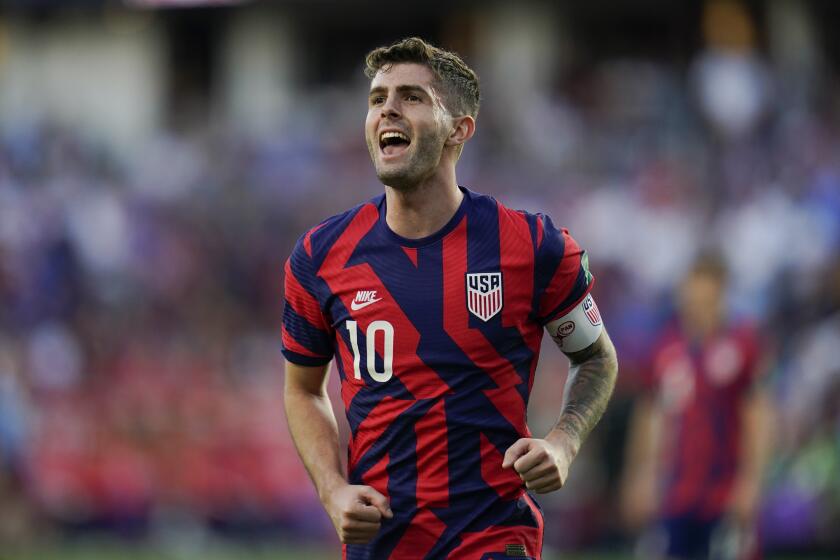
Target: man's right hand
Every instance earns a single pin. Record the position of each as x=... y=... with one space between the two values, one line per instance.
x=357 y=512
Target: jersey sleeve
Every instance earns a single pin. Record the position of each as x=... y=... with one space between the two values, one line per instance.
x=562 y=272
x=753 y=372
x=307 y=332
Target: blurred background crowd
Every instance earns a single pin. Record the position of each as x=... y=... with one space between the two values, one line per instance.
x=158 y=162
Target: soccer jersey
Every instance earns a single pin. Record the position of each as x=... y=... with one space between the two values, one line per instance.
x=700 y=388
x=436 y=341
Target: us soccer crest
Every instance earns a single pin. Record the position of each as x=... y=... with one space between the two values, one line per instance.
x=591 y=311
x=484 y=294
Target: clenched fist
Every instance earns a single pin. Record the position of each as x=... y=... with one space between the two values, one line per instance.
x=540 y=464
x=357 y=512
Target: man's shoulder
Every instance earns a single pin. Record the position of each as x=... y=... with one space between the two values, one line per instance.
x=483 y=202
x=487 y=202
x=540 y=221
x=551 y=242
x=327 y=231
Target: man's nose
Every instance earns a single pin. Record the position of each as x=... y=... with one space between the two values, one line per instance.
x=390 y=108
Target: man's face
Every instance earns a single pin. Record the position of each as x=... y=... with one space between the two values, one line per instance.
x=701 y=303
x=406 y=126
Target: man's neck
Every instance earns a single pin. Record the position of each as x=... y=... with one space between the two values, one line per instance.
x=702 y=332
x=423 y=210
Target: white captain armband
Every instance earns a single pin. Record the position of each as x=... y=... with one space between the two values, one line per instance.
x=578 y=328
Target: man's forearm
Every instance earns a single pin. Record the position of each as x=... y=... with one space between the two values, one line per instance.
x=315 y=433
x=756 y=437
x=589 y=386
x=756 y=434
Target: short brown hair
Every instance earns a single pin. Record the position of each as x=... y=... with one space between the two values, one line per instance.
x=460 y=83
x=712 y=264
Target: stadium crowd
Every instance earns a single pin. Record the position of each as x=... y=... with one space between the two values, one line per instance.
x=140 y=295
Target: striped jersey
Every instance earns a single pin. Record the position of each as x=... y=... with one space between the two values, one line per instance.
x=700 y=387
x=436 y=341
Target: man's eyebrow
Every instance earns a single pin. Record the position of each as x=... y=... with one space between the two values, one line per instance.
x=401 y=89
x=411 y=87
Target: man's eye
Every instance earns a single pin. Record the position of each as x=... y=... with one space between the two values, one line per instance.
x=379 y=100
x=412 y=97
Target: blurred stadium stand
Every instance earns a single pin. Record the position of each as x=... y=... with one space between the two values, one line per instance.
x=157 y=165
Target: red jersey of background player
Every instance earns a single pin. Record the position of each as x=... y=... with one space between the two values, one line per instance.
x=699 y=387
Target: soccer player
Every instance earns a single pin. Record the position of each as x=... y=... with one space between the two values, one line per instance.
x=432 y=299
x=699 y=435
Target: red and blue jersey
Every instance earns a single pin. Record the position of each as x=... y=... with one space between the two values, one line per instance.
x=436 y=341
x=699 y=387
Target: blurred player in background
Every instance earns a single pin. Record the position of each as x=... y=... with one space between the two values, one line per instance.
x=433 y=300
x=699 y=437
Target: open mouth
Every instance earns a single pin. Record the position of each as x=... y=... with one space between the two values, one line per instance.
x=393 y=142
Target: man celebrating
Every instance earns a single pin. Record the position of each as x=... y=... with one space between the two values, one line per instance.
x=432 y=299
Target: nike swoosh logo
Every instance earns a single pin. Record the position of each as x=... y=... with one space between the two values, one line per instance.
x=355 y=306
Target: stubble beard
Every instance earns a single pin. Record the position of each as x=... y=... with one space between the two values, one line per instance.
x=428 y=149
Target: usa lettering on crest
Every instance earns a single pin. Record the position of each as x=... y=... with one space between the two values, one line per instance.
x=591 y=310
x=484 y=294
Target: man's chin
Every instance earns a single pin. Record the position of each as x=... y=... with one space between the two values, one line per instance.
x=398 y=179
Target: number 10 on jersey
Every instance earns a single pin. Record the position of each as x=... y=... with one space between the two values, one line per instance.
x=373 y=329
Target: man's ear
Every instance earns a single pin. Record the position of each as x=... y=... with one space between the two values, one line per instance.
x=463 y=131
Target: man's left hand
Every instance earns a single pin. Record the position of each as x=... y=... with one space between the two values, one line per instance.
x=543 y=466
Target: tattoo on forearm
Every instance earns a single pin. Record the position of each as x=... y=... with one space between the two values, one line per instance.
x=591 y=381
